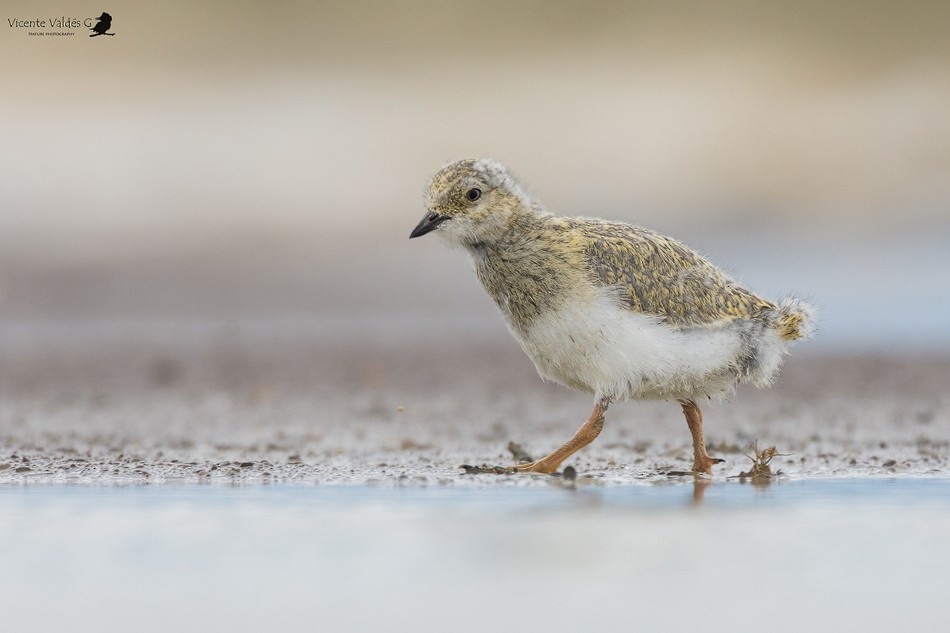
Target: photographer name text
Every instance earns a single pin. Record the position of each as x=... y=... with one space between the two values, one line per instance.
x=50 y=23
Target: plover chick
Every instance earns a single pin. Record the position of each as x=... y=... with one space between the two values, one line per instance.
x=609 y=309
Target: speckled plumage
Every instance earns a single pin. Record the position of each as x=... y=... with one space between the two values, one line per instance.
x=663 y=276
x=604 y=307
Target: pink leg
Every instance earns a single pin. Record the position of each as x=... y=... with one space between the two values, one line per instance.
x=584 y=436
x=702 y=462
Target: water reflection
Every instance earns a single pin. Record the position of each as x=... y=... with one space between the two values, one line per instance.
x=700 y=484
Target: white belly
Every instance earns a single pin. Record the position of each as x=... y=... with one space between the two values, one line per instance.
x=606 y=350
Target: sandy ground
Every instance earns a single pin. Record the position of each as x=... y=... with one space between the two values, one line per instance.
x=246 y=404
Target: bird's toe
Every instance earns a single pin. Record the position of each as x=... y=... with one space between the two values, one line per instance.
x=540 y=466
x=705 y=465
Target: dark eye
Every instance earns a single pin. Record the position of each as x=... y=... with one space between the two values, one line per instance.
x=473 y=194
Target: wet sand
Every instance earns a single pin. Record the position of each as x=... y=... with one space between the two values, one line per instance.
x=101 y=403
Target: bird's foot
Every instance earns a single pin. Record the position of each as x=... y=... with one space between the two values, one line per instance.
x=703 y=464
x=545 y=466
x=538 y=466
x=541 y=466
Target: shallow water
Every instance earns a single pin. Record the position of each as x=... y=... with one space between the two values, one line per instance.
x=858 y=554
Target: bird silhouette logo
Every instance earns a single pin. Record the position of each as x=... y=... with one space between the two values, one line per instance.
x=103 y=25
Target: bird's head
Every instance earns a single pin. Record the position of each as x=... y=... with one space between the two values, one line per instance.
x=472 y=202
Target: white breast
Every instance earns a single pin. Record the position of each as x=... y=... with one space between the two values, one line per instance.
x=601 y=348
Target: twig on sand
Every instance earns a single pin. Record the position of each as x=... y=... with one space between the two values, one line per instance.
x=761 y=472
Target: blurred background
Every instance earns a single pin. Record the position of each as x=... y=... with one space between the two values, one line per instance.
x=206 y=276
x=240 y=163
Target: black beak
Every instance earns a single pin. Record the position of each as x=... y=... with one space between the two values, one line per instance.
x=428 y=223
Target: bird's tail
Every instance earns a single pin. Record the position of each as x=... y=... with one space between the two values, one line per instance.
x=794 y=319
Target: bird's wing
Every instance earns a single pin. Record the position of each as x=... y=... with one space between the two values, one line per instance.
x=662 y=277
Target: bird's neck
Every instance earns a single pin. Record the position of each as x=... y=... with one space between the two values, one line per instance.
x=517 y=269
